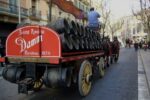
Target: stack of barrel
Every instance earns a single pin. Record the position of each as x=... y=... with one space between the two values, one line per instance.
x=75 y=37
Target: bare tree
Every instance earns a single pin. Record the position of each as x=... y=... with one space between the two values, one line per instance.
x=115 y=27
x=144 y=14
x=105 y=14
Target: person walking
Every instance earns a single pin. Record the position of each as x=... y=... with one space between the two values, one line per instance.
x=136 y=45
x=145 y=46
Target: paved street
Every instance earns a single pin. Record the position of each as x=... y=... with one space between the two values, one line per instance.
x=119 y=83
x=38 y=35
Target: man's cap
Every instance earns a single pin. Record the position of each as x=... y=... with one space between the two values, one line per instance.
x=92 y=8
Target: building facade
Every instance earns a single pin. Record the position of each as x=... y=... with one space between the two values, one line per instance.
x=34 y=12
x=137 y=29
x=132 y=29
x=9 y=16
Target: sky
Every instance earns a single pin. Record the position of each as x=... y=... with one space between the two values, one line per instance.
x=120 y=8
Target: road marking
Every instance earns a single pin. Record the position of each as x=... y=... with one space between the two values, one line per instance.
x=143 y=92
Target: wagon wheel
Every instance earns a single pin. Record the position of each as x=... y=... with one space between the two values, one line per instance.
x=37 y=84
x=101 y=67
x=84 y=78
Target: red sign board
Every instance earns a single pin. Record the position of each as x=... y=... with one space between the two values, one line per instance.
x=33 y=41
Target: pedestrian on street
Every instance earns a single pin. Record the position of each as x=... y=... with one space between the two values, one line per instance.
x=126 y=42
x=140 y=45
x=145 y=46
x=93 y=22
x=149 y=44
x=136 y=45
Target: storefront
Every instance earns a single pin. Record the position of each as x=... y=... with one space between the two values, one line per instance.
x=5 y=30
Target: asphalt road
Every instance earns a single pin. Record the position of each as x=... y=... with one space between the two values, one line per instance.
x=119 y=83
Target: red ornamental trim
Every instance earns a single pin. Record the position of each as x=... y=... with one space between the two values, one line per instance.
x=68 y=7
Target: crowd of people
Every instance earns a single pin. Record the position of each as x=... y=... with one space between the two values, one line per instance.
x=128 y=43
x=138 y=44
x=142 y=45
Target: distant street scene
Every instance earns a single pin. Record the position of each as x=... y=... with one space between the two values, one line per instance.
x=74 y=50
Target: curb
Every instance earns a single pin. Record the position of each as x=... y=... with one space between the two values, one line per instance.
x=146 y=90
x=145 y=72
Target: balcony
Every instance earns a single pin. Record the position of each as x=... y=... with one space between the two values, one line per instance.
x=34 y=14
x=12 y=10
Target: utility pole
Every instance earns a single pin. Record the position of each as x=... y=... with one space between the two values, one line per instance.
x=19 y=12
x=50 y=11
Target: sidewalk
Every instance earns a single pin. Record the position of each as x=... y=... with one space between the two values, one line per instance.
x=144 y=74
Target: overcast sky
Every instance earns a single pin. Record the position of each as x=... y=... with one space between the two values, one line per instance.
x=120 y=8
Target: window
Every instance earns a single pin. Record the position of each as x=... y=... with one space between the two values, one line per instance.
x=13 y=6
x=133 y=30
x=13 y=2
x=139 y=27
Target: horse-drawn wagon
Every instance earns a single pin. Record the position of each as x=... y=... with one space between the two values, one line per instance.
x=54 y=56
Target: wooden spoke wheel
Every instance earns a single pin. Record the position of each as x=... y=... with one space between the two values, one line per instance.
x=101 y=67
x=37 y=84
x=84 y=78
